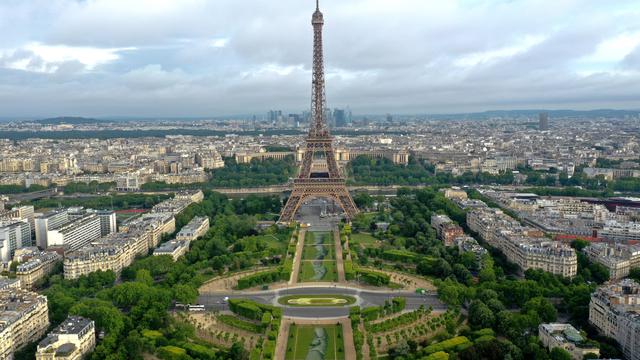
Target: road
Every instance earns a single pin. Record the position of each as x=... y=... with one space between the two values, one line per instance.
x=215 y=301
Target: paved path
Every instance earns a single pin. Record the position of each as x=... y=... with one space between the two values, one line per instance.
x=347 y=335
x=283 y=338
x=297 y=259
x=338 y=252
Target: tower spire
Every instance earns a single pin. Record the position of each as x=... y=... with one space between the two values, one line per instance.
x=318 y=5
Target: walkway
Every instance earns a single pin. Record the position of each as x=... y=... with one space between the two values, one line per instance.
x=338 y=252
x=297 y=259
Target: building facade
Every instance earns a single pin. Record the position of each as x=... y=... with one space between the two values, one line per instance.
x=71 y=340
x=614 y=310
x=24 y=318
x=566 y=337
x=37 y=267
x=14 y=234
x=75 y=234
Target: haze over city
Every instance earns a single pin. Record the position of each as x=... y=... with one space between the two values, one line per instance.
x=212 y=58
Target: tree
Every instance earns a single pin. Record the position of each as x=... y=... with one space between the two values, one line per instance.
x=480 y=316
x=559 y=354
x=144 y=276
x=238 y=352
x=542 y=307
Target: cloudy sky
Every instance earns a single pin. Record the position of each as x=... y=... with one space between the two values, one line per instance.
x=217 y=57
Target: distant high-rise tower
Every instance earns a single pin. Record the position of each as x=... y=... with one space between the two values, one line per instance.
x=389 y=119
x=325 y=181
x=543 y=122
x=339 y=118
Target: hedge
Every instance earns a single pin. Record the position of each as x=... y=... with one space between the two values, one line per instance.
x=269 y=349
x=241 y=324
x=349 y=271
x=266 y=319
x=253 y=310
x=264 y=277
x=171 y=352
x=287 y=268
x=371 y=313
x=398 y=304
x=374 y=278
x=440 y=355
x=197 y=351
x=457 y=343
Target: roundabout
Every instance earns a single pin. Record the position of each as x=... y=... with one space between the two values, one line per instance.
x=317 y=300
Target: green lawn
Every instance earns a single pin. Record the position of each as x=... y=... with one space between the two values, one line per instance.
x=277 y=241
x=318 y=237
x=366 y=240
x=317 y=300
x=318 y=252
x=308 y=273
x=323 y=342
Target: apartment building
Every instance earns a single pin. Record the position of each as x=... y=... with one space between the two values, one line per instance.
x=566 y=337
x=6 y=283
x=173 y=248
x=614 y=310
x=522 y=245
x=25 y=212
x=107 y=221
x=469 y=244
x=530 y=253
x=194 y=196
x=71 y=340
x=157 y=224
x=113 y=252
x=197 y=227
x=455 y=193
x=24 y=318
x=37 y=267
x=618 y=258
x=49 y=221
x=618 y=231
x=446 y=229
x=75 y=234
x=14 y=234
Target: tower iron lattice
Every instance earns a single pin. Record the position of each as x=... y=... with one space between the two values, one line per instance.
x=329 y=183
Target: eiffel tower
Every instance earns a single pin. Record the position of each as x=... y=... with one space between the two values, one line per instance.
x=312 y=184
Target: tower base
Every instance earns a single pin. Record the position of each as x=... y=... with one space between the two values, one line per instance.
x=304 y=189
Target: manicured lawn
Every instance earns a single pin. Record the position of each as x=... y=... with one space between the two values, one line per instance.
x=278 y=241
x=324 y=340
x=318 y=237
x=365 y=240
x=318 y=252
x=308 y=274
x=317 y=300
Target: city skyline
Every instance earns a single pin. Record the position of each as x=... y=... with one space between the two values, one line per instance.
x=198 y=58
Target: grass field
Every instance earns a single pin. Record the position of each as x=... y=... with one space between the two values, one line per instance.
x=308 y=274
x=365 y=240
x=324 y=340
x=318 y=237
x=311 y=252
x=317 y=300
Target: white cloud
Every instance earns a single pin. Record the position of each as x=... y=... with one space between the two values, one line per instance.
x=484 y=57
x=39 y=57
x=219 y=43
x=615 y=49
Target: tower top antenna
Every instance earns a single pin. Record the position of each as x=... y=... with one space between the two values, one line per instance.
x=317 y=4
